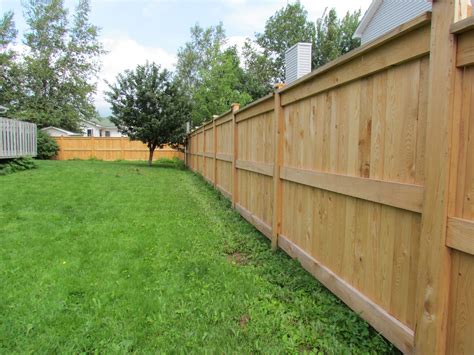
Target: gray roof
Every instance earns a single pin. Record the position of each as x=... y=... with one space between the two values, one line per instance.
x=104 y=122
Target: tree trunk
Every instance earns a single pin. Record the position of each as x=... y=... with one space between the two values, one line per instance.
x=150 y=157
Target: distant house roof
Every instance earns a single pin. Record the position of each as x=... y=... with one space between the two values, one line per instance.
x=385 y=15
x=101 y=122
x=66 y=132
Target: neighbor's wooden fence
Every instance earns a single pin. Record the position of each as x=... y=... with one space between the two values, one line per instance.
x=364 y=171
x=17 y=138
x=108 y=148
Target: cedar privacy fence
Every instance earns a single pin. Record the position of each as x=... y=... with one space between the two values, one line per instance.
x=17 y=139
x=363 y=170
x=109 y=148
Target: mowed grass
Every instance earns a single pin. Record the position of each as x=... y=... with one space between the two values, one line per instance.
x=100 y=257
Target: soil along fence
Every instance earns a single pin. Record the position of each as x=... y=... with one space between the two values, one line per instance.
x=363 y=171
x=108 y=148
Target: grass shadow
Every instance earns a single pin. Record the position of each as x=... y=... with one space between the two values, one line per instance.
x=162 y=163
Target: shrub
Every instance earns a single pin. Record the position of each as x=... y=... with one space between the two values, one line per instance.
x=13 y=165
x=48 y=148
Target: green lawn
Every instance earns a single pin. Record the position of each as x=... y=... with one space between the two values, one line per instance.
x=118 y=257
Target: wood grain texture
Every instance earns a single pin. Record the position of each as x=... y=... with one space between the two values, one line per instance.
x=374 y=166
x=404 y=196
x=414 y=45
x=399 y=334
x=460 y=235
x=256 y=167
x=109 y=149
x=263 y=227
x=435 y=262
x=460 y=326
x=278 y=132
x=465 y=52
x=261 y=106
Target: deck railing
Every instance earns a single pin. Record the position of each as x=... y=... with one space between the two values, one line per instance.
x=17 y=138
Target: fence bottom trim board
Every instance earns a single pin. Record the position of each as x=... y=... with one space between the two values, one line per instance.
x=224 y=192
x=395 y=331
x=264 y=228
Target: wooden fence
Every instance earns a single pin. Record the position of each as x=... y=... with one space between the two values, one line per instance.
x=108 y=148
x=17 y=139
x=364 y=171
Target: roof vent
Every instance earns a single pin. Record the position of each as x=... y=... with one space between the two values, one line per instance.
x=297 y=62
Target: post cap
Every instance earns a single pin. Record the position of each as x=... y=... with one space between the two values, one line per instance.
x=234 y=106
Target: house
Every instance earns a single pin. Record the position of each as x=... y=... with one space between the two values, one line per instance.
x=89 y=128
x=100 y=128
x=383 y=16
x=59 y=132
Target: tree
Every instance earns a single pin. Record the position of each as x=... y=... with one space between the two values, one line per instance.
x=9 y=70
x=147 y=105
x=197 y=56
x=285 y=28
x=60 y=65
x=258 y=71
x=334 y=37
x=265 y=57
x=221 y=85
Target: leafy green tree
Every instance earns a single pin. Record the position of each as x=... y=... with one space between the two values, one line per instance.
x=60 y=65
x=265 y=57
x=149 y=106
x=221 y=85
x=197 y=55
x=334 y=36
x=9 y=70
x=258 y=71
x=285 y=28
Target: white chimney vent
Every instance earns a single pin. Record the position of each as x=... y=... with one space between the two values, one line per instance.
x=297 y=62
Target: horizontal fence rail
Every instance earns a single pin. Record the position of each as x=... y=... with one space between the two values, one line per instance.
x=340 y=170
x=109 y=148
x=17 y=139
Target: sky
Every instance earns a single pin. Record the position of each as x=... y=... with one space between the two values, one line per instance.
x=134 y=31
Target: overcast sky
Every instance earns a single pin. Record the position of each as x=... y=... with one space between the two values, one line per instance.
x=134 y=31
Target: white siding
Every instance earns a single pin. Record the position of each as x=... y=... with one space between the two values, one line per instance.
x=95 y=130
x=291 y=64
x=113 y=132
x=393 y=13
x=297 y=62
x=17 y=138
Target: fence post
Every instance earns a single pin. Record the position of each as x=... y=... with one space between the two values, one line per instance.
x=278 y=126
x=435 y=258
x=235 y=107
x=215 y=150
x=204 y=151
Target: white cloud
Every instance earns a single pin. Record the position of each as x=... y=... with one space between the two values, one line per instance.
x=126 y=53
x=250 y=16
